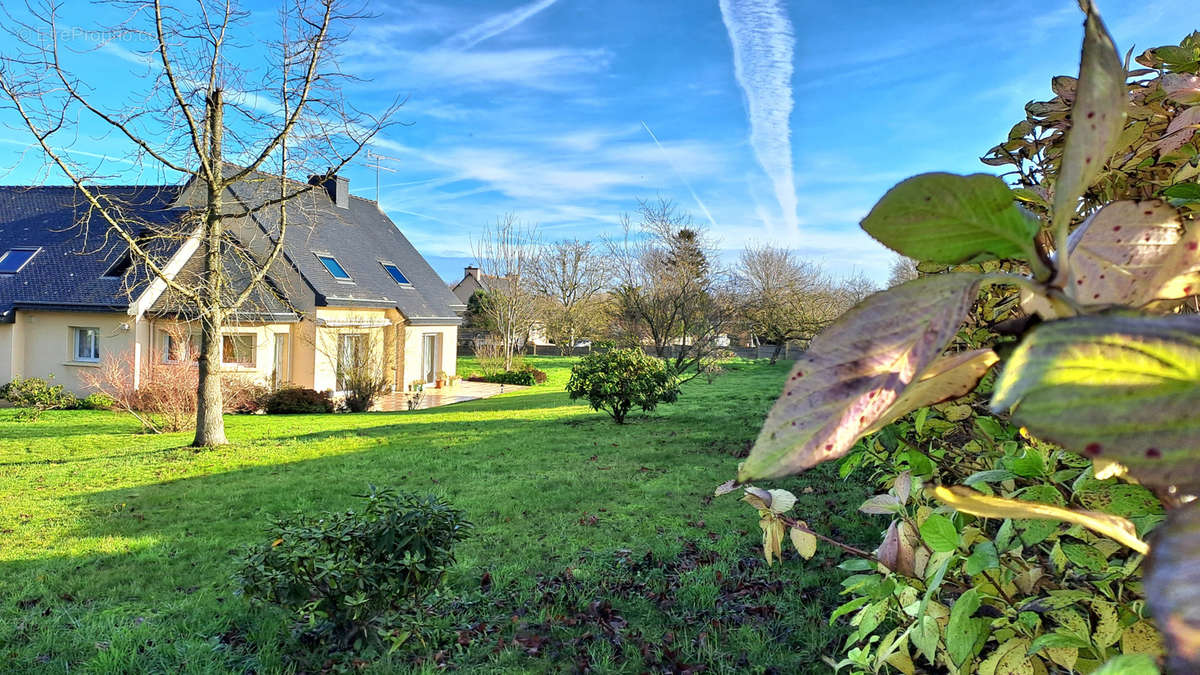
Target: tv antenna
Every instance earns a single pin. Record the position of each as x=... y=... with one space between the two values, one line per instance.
x=378 y=166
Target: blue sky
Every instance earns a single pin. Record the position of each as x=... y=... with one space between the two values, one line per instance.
x=776 y=121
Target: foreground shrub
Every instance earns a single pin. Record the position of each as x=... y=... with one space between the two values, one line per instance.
x=298 y=400
x=615 y=381
x=36 y=395
x=351 y=577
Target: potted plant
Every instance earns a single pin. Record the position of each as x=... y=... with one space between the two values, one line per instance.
x=441 y=379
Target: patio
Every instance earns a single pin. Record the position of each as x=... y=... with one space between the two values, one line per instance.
x=433 y=397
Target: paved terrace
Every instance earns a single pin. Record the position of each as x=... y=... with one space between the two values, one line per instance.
x=433 y=397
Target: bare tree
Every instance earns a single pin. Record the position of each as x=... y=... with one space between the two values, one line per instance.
x=210 y=115
x=669 y=289
x=507 y=253
x=784 y=299
x=901 y=270
x=569 y=277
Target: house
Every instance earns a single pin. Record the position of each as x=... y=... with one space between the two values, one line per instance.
x=474 y=280
x=347 y=285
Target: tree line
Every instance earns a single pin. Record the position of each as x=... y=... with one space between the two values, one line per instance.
x=660 y=284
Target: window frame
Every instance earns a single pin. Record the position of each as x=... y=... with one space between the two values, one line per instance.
x=76 y=332
x=321 y=258
x=386 y=264
x=165 y=345
x=31 y=250
x=123 y=261
x=253 y=362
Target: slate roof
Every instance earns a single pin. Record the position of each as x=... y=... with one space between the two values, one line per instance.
x=360 y=237
x=66 y=273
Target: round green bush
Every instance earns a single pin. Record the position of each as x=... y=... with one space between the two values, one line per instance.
x=617 y=380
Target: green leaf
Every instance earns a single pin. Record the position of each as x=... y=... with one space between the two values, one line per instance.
x=925 y=636
x=1108 y=623
x=849 y=607
x=1131 y=253
x=1172 y=585
x=1088 y=557
x=1122 y=388
x=855 y=370
x=964 y=632
x=939 y=533
x=1128 y=664
x=946 y=218
x=1189 y=192
x=1058 y=640
x=983 y=558
x=1098 y=115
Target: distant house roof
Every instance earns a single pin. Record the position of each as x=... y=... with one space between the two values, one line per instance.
x=74 y=251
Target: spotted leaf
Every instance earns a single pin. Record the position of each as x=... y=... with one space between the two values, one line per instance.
x=1131 y=253
x=1098 y=115
x=855 y=370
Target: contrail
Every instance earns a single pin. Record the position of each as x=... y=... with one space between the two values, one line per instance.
x=680 y=175
x=494 y=26
x=763 y=45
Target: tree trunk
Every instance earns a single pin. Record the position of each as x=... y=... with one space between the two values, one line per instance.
x=210 y=407
x=775 y=353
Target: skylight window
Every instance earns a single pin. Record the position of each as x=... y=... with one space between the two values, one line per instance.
x=397 y=275
x=334 y=267
x=119 y=268
x=14 y=259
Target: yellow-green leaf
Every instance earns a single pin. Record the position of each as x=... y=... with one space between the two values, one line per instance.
x=948 y=377
x=855 y=370
x=1119 y=387
x=1108 y=623
x=1097 y=116
x=805 y=542
x=978 y=504
x=773 y=531
x=1008 y=659
x=1142 y=638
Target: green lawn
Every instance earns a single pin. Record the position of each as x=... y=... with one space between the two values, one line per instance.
x=116 y=548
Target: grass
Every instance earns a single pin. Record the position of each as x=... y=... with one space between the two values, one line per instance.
x=116 y=548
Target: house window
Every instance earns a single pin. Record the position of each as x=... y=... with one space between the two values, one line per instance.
x=239 y=349
x=12 y=260
x=334 y=267
x=395 y=273
x=87 y=344
x=179 y=347
x=352 y=358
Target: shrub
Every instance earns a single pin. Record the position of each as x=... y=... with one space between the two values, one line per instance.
x=36 y=395
x=293 y=400
x=97 y=401
x=243 y=395
x=351 y=576
x=615 y=381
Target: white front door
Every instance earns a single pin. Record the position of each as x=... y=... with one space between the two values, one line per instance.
x=429 y=357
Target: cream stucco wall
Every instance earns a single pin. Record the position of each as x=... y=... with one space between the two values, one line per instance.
x=6 y=353
x=332 y=323
x=263 y=370
x=42 y=344
x=413 y=354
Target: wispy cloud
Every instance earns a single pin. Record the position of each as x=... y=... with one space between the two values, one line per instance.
x=763 y=47
x=494 y=26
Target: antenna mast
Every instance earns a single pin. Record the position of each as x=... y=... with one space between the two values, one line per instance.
x=378 y=166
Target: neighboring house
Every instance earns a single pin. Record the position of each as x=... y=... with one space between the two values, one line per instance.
x=474 y=280
x=347 y=284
